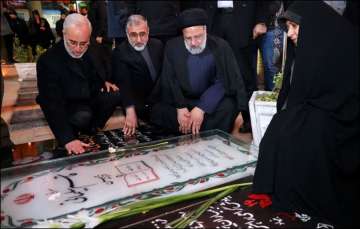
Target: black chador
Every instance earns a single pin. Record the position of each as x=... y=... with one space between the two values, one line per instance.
x=309 y=157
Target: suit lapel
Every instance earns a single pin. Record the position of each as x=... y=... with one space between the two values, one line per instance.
x=135 y=55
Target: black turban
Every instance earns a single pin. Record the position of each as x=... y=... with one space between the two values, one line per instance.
x=192 y=17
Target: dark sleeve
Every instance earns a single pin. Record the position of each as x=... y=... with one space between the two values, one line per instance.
x=49 y=31
x=59 y=28
x=121 y=76
x=170 y=83
x=211 y=97
x=52 y=103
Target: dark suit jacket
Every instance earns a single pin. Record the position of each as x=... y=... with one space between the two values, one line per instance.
x=246 y=15
x=63 y=84
x=131 y=73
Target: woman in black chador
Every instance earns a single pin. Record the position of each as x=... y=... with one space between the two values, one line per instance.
x=309 y=158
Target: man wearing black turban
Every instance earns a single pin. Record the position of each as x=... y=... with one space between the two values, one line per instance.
x=201 y=84
x=309 y=157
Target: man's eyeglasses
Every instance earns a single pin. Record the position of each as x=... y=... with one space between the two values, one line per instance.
x=134 y=35
x=81 y=45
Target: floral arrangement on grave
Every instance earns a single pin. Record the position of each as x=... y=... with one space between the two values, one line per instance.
x=273 y=95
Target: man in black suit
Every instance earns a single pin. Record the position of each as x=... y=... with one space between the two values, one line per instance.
x=136 y=64
x=73 y=92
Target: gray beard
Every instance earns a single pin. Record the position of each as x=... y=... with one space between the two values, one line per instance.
x=68 y=50
x=195 y=51
x=138 y=48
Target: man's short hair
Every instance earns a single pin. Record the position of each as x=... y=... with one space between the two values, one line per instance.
x=135 y=19
x=76 y=20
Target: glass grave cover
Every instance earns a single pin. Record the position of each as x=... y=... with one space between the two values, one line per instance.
x=55 y=189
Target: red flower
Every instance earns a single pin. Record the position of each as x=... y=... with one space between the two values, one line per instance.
x=263 y=200
x=97 y=211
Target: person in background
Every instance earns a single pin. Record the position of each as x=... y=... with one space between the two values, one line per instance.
x=7 y=35
x=309 y=159
x=18 y=26
x=84 y=10
x=59 y=23
x=75 y=94
x=271 y=44
x=201 y=84
x=161 y=16
x=97 y=16
x=118 y=13
x=40 y=32
x=136 y=65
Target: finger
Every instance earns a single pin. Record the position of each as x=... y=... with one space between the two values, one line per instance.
x=193 y=127
x=125 y=129
x=85 y=144
x=197 y=129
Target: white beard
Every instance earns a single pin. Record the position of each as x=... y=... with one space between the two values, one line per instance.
x=198 y=50
x=68 y=50
x=138 y=48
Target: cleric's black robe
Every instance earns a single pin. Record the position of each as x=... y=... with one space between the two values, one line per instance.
x=176 y=91
x=309 y=158
x=175 y=79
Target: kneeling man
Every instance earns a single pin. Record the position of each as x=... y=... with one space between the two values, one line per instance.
x=73 y=92
x=201 y=85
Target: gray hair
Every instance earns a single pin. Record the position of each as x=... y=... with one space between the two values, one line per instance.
x=135 y=19
x=76 y=20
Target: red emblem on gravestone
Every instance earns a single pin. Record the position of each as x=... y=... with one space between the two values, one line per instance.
x=24 y=198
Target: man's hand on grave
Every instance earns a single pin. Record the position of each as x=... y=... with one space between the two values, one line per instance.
x=183 y=117
x=197 y=118
x=76 y=147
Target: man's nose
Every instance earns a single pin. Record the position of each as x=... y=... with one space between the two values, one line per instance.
x=289 y=33
x=138 y=38
x=77 y=48
x=194 y=42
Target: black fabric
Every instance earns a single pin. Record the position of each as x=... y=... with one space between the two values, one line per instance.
x=65 y=83
x=309 y=156
x=59 y=27
x=132 y=75
x=161 y=16
x=236 y=27
x=9 y=40
x=18 y=26
x=192 y=17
